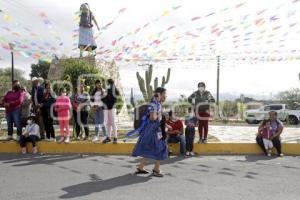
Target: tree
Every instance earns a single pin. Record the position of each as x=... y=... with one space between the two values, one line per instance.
x=246 y=100
x=40 y=70
x=290 y=96
x=229 y=109
x=183 y=98
x=132 y=100
x=5 y=79
x=78 y=71
x=182 y=106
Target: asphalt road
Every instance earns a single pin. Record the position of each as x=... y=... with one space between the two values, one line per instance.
x=94 y=177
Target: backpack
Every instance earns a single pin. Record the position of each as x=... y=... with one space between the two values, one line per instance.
x=139 y=113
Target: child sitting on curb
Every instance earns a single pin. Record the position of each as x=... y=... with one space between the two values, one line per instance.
x=266 y=132
x=30 y=134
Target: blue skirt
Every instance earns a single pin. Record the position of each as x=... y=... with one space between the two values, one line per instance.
x=86 y=38
x=149 y=145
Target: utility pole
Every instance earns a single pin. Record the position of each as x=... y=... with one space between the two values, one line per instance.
x=218 y=85
x=11 y=47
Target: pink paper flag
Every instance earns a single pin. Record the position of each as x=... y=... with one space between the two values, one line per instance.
x=122 y=10
x=170 y=28
x=196 y=18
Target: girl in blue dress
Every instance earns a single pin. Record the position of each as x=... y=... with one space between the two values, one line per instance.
x=151 y=143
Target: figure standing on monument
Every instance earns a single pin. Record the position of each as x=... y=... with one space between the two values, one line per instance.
x=86 y=38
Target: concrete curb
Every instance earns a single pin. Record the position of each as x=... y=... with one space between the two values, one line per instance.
x=126 y=148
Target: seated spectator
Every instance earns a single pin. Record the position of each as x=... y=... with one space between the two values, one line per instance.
x=266 y=132
x=277 y=128
x=30 y=134
x=175 y=132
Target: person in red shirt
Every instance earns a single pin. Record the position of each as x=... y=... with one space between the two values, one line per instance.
x=175 y=131
x=12 y=102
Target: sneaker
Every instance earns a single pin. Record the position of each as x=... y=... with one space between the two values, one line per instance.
x=200 y=141
x=96 y=139
x=77 y=138
x=67 y=139
x=85 y=138
x=115 y=141
x=9 y=137
x=53 y=140
x=62 y=139
x=18 y=138
x=192 y=153
x=269 y=154
x=24 y=150
x=204 y=141
x=47 y=139
x=157 y=173
x=107 y=140
x=34 y=150
x=187 y=153
x=281 y=155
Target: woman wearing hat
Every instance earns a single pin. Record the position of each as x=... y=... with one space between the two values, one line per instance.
x=37 y=94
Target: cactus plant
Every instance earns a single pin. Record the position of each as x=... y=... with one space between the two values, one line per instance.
x=132 y=100
x=145 y=84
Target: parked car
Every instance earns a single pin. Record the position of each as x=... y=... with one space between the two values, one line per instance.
x=293 y=117
x=284 y=114
x=2 y=119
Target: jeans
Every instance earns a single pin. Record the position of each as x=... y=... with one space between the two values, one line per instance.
x=180 y=139
x=14 y=118
x=189 y=138
x=99 y=121
x=32 y=138
x=81 y=119
x=48 y=123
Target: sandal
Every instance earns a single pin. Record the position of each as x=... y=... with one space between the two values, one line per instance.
x=157 y=173
x=139 y=171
